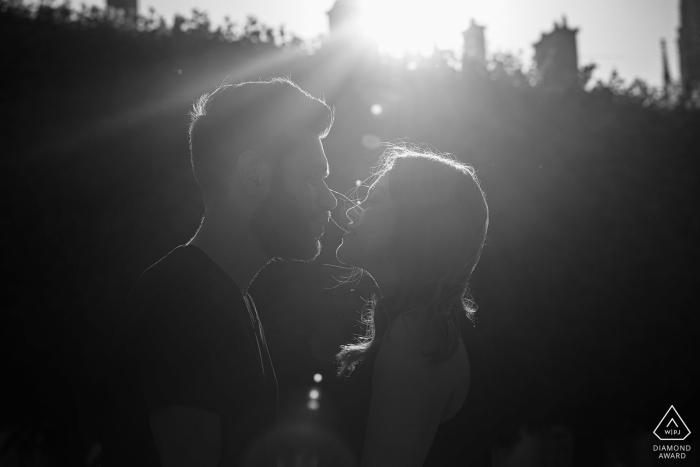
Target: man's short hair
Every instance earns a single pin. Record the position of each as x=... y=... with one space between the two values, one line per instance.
x=267 y=117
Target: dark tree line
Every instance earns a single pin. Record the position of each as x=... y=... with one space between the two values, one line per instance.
x=585 y=289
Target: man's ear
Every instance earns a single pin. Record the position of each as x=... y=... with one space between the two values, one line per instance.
x=254 y=174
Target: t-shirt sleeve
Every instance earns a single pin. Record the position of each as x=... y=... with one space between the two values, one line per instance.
x=186 y=356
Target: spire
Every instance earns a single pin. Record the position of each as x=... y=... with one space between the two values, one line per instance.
x=666 y=73
x=689 y=45
x=556 y=56
x=342 y=17
x=474 y=44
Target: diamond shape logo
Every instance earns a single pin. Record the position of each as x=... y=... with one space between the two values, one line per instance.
x=672 y=427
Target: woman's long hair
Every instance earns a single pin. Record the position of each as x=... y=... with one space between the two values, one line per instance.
x=442 y=223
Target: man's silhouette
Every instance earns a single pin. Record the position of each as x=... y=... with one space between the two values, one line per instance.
x=193 y=379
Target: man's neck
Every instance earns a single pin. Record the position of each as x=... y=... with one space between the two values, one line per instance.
x=232 y=247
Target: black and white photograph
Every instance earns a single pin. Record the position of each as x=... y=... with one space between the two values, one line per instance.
x=350 y=233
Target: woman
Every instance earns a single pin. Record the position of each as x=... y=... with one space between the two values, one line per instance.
x=418 y=389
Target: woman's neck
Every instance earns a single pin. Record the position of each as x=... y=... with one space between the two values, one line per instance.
x=387 y=279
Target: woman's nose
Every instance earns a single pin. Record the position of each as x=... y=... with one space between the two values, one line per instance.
x=354 y=214
x=327 y=199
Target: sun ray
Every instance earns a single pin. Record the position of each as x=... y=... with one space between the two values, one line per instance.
x=401 y=27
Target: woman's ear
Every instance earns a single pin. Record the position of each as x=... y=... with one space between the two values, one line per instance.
x=254 y=174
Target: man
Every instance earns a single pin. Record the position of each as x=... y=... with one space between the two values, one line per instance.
x=194 y=380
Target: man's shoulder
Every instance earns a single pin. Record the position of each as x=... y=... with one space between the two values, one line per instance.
x=179 y=261
x=182 y=264
x=181 y=275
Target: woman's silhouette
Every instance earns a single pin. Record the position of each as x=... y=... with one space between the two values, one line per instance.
x=416 y=389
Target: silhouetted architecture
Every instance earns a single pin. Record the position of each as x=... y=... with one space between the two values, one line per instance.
x=556 y=57
x=689 y=45
x=130 y=7
x=474 y=46
x=343 y=16
x=666 y=73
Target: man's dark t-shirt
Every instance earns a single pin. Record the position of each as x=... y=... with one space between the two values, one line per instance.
x=188 y=337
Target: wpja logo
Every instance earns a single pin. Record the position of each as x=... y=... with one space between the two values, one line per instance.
x=671 y=428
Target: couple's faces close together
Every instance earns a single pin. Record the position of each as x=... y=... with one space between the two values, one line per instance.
x=292 y=219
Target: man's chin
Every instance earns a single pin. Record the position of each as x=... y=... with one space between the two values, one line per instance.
x=312 y=253
x=306 y=254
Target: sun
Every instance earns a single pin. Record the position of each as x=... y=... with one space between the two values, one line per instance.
x=401 y=27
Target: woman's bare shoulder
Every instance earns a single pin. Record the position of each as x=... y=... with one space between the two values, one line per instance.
x=403 y=349
x=407 y=332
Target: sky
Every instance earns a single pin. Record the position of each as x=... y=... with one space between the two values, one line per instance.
x=615 y=34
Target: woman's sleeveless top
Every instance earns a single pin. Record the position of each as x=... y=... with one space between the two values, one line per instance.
x=463 y=440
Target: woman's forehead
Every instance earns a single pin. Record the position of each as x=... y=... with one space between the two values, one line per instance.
x=381 y=181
